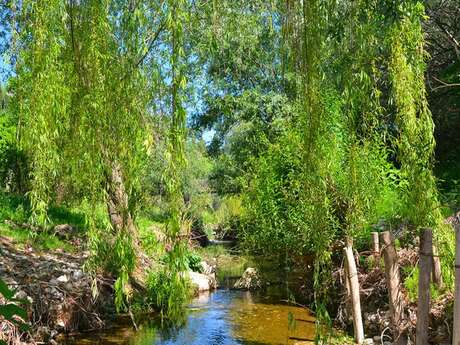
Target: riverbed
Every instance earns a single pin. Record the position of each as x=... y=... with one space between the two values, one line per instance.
x=223 y=317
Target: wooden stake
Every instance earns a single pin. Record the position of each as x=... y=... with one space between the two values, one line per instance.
x=456 y=325
x=354 y=289
x=423 y=305
x=348 y=290
x=390 y=257
x=375 y=244
x=347 y=280
x=436 y=269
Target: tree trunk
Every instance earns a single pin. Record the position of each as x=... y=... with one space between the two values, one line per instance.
x=390 y=257
x=423 y=305
x=117 y=203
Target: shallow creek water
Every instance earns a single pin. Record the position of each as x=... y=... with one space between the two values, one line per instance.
x=223 y=317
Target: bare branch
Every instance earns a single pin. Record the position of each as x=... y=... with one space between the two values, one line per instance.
x=451 y=38
x=154 y=37
x=444 y=84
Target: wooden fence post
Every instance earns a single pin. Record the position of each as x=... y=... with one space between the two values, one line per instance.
x=424 y=278
x=353 y=283
x=456 y=325
x=375 y=244
x=390 y=257
x=347 y=280
x=436 y=268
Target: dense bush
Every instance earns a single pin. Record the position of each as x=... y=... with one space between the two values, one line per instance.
x=278 y=212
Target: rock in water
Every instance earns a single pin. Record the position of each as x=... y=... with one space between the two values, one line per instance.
x=201 y=281
x=249 y=281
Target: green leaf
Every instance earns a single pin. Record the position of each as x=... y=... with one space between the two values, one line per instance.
x=20 y=300
x=24 y=327
x=5 y=290
x=10 y=310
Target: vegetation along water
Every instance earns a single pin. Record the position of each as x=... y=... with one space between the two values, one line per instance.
x=229 y=171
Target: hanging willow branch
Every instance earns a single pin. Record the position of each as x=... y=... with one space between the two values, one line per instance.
x=416 y=142
x=305 y=32
x=83 y=127
x=177 y=17
x=413 y=118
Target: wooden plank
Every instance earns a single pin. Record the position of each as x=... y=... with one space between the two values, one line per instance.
x=423 y=305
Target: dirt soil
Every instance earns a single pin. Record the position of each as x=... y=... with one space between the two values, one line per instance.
x=62 y=297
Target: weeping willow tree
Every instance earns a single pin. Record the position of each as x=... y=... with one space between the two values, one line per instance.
x=415 y=140
x=87 y=84
x=387 y=111
x=82 y=103
x=341 y=154
x=341 y=190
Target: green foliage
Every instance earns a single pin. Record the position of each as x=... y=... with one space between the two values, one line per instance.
x=194 y=178
x=411 y=285
x=254 y=121
x=42 y=241
x=7 y=131
x=196 y=190
x=275 y=200
x=416 y=141
x=13 y=207
x=10 y=310
x=73 y=127
x=172 y=290
x=331 y=173
x=272 y=202
x=149 y=232
x=84 y=97
x=16 y=209
x=13 y=167
x=231 y=266
x=194 y=262
x=168 y=294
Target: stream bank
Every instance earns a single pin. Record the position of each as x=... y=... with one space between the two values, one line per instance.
x=62 y=301
x=60 y=295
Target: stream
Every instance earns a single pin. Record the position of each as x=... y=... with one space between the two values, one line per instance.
x=222 y=317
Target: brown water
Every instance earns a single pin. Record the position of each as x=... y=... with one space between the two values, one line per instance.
x=223 y=317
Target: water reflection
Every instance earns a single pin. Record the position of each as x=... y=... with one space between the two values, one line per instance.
x=224 y=317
